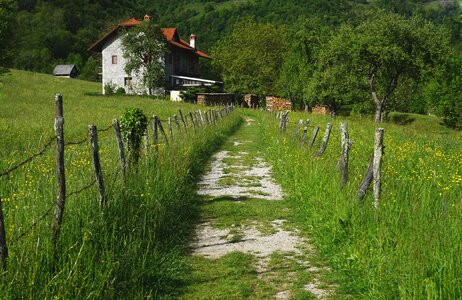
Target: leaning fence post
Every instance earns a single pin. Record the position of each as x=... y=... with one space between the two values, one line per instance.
x=297 y=129
x=60 y=175
x=177 y=122
x=170 y=129
x=305 y=130
x=3 y=247
x=97 y=165
x=206 y=114
x=162 y=131
x=183 y=120
x=155 y=133
x=343 y=161
x=366 y=179
x=313 y=138
x=192 y=120
x=378 y=152
x=325 y=140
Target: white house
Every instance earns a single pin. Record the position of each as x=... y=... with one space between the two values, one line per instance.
x=181 y=63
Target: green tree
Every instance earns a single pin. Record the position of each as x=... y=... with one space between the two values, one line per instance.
x=144 y=48
x=444 y=93
x=250 y=57
x=6 y=19
x=333 y=82
x=300 y=60
x=380 y=54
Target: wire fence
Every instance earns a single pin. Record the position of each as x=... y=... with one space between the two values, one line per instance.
x=198 y=119
x=373 y=173
x=29 y=159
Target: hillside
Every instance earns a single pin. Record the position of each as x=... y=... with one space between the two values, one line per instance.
x=40 y=44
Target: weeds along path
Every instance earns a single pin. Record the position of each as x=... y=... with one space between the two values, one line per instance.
x=246 y=245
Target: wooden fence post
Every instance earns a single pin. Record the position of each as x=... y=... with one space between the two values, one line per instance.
x=155 y=132
x=201 y=117
x=212 y=117
x=146 y=143
x=378 y=152
x=3 y=247
x=120 y=145
x=93 y=132
x=177 y=122
x=198 y=119
x=305 y=130
x=206 y=114
x=325 y=140
x=170 y=129
x=162 y=131
x=313 y=138
x=343 y=161
x=192 y=120
x=297 y=129
x=367 y=179
x=60 y=175
x=183 y=120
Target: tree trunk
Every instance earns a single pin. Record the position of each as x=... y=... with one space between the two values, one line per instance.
x=379 y=112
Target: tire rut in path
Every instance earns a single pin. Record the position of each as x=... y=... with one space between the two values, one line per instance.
x=241 y=177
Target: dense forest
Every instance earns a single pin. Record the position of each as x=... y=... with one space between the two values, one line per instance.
x=38 y=34
x=45 y=32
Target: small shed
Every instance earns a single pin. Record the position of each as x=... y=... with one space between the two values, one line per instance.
x=67 y=71
x=250 y=100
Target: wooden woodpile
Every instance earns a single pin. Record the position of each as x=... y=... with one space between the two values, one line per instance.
x=277 y=104
x=250 y=100
x=320 y=110
x=215 y=98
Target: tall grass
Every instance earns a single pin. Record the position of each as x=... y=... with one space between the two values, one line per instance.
x=410 y=247
x=130 y=249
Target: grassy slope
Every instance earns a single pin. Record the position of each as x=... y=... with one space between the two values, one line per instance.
x=132 y=248
x=409 y=248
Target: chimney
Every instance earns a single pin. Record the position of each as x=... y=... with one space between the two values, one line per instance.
x=147 y=17
x=192 y=40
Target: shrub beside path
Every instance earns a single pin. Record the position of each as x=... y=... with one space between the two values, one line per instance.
x=247 y=245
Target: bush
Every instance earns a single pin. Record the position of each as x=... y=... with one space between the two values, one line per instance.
x=133 y=125
x=109 y=89
x=120 y=91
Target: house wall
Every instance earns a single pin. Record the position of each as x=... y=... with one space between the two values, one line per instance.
x=114 y=73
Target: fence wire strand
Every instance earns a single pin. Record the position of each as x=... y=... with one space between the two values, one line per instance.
x=85 y=139
x=105 y=129
x=82 y=189
x=41 y=152
x=23 y=234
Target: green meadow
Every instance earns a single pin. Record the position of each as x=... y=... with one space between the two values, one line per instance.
x=132 y=247
x=410 y=247
x=136 y=247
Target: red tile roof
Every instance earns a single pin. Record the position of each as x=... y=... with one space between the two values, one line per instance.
x=170 y=34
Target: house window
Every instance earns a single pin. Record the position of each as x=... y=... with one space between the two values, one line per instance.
x=127 y=81
x=114 y=59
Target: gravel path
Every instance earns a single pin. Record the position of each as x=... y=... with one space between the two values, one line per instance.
x=240 y=173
